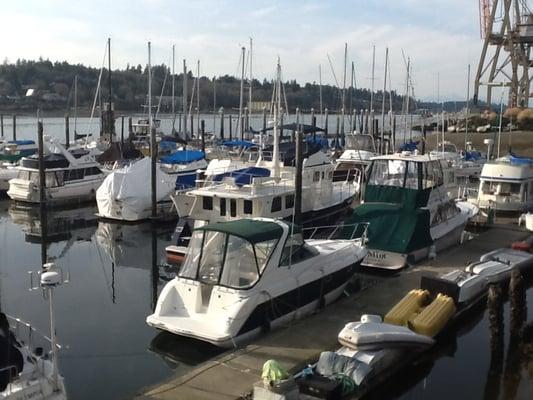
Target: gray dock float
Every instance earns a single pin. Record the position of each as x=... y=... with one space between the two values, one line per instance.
x=232 y=375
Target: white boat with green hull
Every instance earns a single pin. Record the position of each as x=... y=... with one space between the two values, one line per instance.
x=408 y=209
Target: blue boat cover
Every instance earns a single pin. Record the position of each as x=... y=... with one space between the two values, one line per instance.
x=516 y=159
x=183 y=157
x=239 y=143
x=244 y=176
x=409 y=146
x=22 y=142
x=473 y=155
x=167 y=145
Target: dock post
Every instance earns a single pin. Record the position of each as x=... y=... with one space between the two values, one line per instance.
x=130 y=127
x=2 y=125
x=122 y=130
x=192 y=125
x=153 y=180
x=221 y=111
x=42 y=189
x=247 y=120
x=230 y=127
x=298 y=179
x=326 y=122
x=354 y=120
x=281 y=126
x=264 y=121
x=495 y=307
x=518 y=305
x=202 y=133
x=293 y=134
x=424 y=135
x=337 y=133
x=67 y=131
x=14 y=126
x=313 y=122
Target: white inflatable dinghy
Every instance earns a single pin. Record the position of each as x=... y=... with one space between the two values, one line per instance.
x=376 y=335
x=470 y=286
x=493 y=271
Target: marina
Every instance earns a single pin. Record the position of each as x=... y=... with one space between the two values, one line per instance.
x=191 y=217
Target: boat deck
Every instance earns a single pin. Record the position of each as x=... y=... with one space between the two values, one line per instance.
x=301 y=342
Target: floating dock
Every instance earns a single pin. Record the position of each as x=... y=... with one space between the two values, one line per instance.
x=232 y=374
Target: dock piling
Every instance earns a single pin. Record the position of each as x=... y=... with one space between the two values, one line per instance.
x=14 y=126
x=221 y=111
x=202 y=133
x=1 y=125
x=67 y=131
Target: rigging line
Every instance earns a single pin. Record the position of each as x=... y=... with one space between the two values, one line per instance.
x=103 y=270
x=96 y=95
x=162 y=91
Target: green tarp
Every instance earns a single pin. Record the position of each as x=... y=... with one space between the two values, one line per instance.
x=393 y=227
x=408 y=198
x=254 y=231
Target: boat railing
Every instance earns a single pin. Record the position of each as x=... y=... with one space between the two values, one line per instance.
x=330 y=232
x=26 y=336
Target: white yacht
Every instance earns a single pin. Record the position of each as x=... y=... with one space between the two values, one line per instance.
x=254 y=190
x=408 y=209
x=71 y=176
x=125 y=193
x=11 y=152
x=505 y=186
x=241 y=277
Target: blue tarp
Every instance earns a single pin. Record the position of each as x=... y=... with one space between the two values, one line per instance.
x=516 y=159
x=239 y=143
x=167 y=145
x=473 y=155
x=22 y=142
x=409 y=146
x=244 y=176
x=183 y=157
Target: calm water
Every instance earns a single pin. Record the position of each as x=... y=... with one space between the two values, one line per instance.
x=26 y=126
x=101 y=311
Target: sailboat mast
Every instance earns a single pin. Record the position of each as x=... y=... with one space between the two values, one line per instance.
x=150 y=92
x=173 y=88
x=407 y=95
x=277 y=107
x=372 y=78
x=239 y=122
x=198 y=97
x=320 y=93
x=184 y=98
x=75 y=103
x=251 y=78
x=383 y=102
x=467 y=105
x=109 y=72
x=343 y=110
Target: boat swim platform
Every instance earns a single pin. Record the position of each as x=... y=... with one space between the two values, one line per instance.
x=232 y=374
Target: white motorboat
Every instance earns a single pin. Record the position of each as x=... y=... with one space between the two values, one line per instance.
x=497 y=265
x=245 y=276
x=10 y=154
x=506 y=186
x=255 y=191
x=410 y=213
x=125 y=193
x=70 y=176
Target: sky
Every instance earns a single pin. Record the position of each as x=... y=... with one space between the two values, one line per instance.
x=441 y=37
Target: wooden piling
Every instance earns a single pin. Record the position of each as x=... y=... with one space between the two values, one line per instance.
x=298 y=179
x=424 y=135
x=230 y=127
x=337 y=132
x=221 y=123
x=264 y=120
x=153 y=180
x=130 y=127
x=67 y=131
x=313 y=122
x=326 y=122
x=281 y=126
x=297 y=124
x=122 y=130
x=42 y=191
x=2 y=125
x=14 y=126
x=202 y=133
x=192 y=125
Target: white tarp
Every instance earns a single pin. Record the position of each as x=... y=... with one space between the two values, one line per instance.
x=126 y=193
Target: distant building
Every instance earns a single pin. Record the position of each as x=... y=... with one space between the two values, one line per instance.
x=255 y=106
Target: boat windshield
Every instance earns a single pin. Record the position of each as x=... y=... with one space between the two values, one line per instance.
x=218 y=258
x=398 y=173
x=360 y=142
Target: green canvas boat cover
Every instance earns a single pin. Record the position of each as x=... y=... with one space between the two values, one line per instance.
x=392 y=227
x=254 y=231
x=408 y=198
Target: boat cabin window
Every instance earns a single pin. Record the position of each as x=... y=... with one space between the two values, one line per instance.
x=92 y=171
x=28 y=176
x=388 y=173
x=247 y=206
x=233 y=207
x=432 y=175
x=74 y=174
x=276 y=204
x=218 y=258
x=316 y=176
x=501 y=188
x=411 y=176
x=289 y=201
x=296 y=250
x=222 y=207
x=207 y=203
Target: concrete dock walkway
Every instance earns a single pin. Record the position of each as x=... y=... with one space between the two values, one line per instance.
x=232 y=375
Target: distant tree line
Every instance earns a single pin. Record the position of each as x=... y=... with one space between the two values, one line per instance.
x=53 y=82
